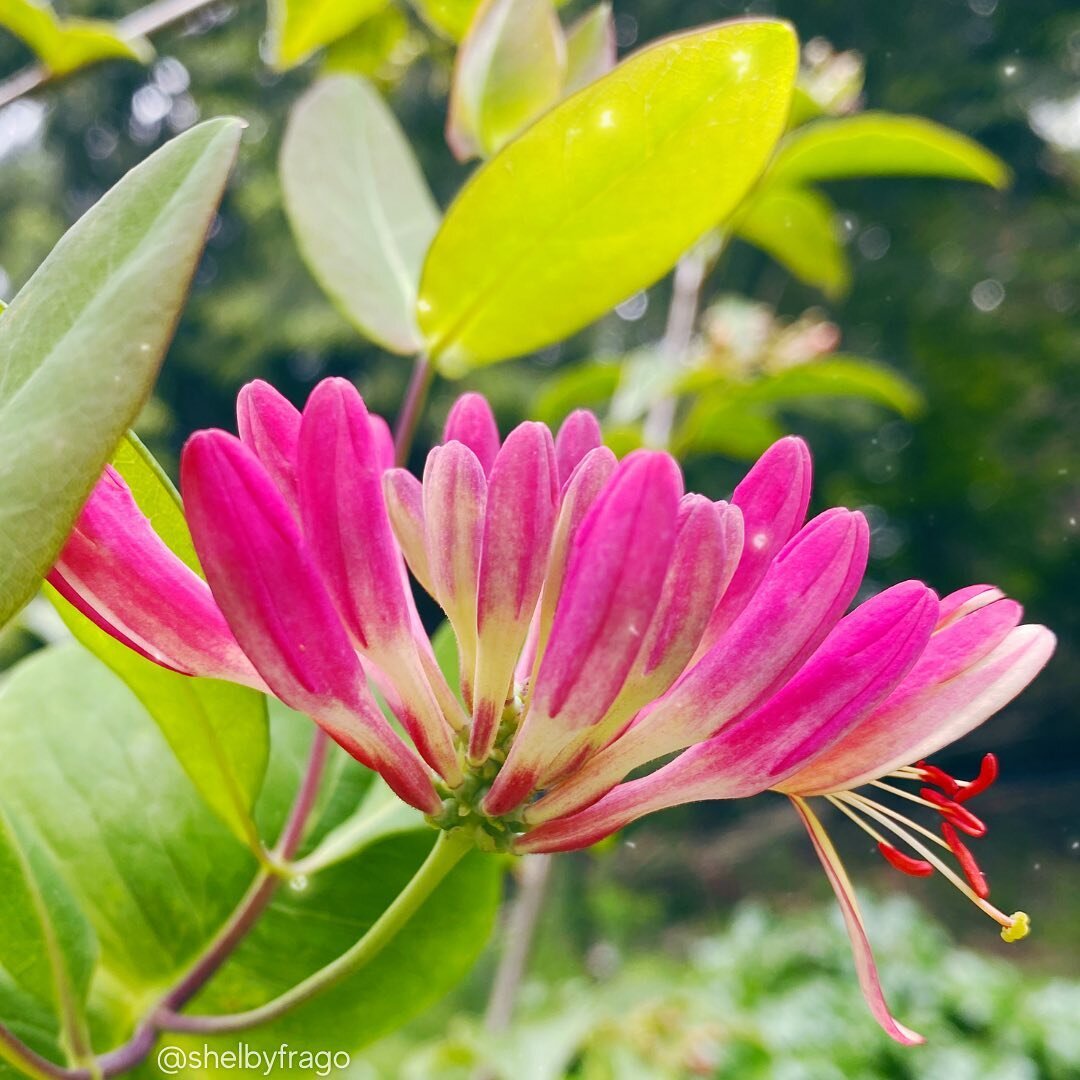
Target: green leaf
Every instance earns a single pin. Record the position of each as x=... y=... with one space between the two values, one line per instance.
x=444 y=645
x=838 y=376
x=718 y=425
x=46 y=944
x=881 y=144
x=359 y=207
x=306 y=928
x=795 y=226
x=601 y=195
x=450 y=17
x=297 y=28
x=590 y=48
x=370 y=49
x=65 y=45
x=81 y=344
x=217 y=730
x=586 y=385
x=509 y=70
x=97 y=790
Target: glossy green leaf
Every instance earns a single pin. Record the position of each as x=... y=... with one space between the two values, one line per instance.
x=837 y=376
x=881 y=144
x=218 y=731
x=300 y=27
x=449 y=17
x=372 y=48
x=65 y=45
x=796 y=227
x=95 y=787
x=81 y=344
x=359 y=207
x=509 y=69
x=590 y=48
x=46 y=945
x=803 y=108
x=602 y=194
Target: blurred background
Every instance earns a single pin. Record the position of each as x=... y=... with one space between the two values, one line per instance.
x=704 y=942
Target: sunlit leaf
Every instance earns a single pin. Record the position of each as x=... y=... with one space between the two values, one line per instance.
x=803 y=108
x=81 y=344
x=601 y=195
x=372 y=47
x=881 y=144
x=300 y=27
x=217 y=730
x=590 y=48
x=65 y=45
x=359 y=206
x=796 y=227
x=451 y=17
x=509 y=69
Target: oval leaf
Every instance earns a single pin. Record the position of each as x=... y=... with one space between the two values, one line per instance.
x=601 y=195
x=508 y=71
x=65 y=45
x=881 y=144
x=218 y=731
x=449 y=17
x=359 y=207
x=590 y=48
x=300 y=27
x=81 y=344
x=795 y=226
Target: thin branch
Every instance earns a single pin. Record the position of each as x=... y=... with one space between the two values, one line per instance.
x=409 y=417
x=145 y=21
x=449 y=849
x=682 y=315
x=520 y=931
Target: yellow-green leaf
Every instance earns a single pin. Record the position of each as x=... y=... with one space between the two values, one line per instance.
x=590 y=48
x=601 y=196
x=300 y=27
x=359 y=207
x=509 y=69
x=795 y=226
x=449 y=17
x=881 y=144
x=65 y=45
x=373 y=48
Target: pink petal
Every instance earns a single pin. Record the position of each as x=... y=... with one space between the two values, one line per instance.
x=455 y=500
x=270 y=425
x=341 y=461
x=965 y=601
x=119 y=573
x=773 y=497
x=522 y=501
x=472 y=423
x=384 y=440
x=265 y=580
x=614 y=575
x=579 y=433
x=858 y=664
x=404 y=496
x=926 y=713
x=805 y=591
x=865 y=967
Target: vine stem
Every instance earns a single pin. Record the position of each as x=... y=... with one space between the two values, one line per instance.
x=686 y=286
x=448 y=851
x=415 y=397
x=146 y=20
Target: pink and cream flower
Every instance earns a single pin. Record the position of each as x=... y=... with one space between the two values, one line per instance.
x=605 y=620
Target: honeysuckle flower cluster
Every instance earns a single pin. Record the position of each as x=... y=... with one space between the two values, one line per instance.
x=605 y=620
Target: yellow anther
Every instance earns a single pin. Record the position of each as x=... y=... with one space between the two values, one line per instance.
x=1018 y=929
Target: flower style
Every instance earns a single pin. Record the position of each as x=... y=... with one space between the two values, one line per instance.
x=604 y=619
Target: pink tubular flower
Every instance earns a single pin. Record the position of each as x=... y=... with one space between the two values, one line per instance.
x=605 y=620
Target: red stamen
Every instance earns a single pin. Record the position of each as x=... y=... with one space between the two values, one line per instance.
x=933 y=775
x=959 y=815
x=988 y=773
x=905 y=863
x=976 y=878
